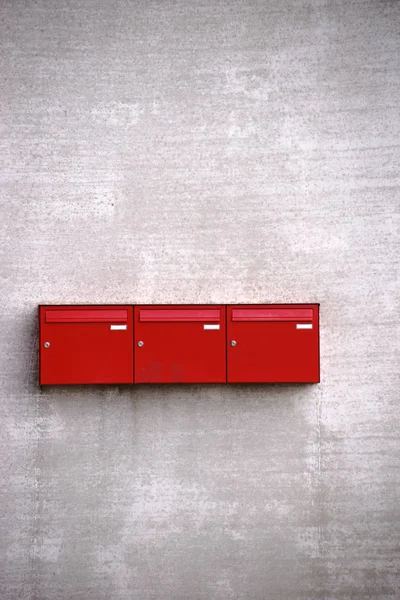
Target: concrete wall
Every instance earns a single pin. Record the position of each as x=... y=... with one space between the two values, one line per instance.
x=207 y=151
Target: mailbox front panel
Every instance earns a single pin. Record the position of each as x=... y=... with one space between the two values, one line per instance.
x=180 y=344
x=273 y=343
x=86 y=344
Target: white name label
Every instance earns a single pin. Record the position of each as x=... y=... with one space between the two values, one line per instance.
x=211 y=326
x=118 y=327
x=303 y=326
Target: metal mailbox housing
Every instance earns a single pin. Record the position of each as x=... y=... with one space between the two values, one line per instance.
x=180 y=344
x=86 y=344
x=273 y=343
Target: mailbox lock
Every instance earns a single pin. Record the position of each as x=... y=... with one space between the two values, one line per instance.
x=140 y=344
x=46 y=344
x=233 y=343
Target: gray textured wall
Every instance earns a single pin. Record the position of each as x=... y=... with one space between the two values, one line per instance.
x=176 y=151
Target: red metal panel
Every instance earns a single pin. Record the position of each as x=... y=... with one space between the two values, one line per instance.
x=78 y=315
x=175 y=315
x=186 y=347
x=86 y=348
x=273 y=350
x=272 y=314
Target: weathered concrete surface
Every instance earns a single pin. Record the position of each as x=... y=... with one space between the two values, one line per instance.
x=178 y=151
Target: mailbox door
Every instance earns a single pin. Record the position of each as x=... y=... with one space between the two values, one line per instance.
x=86 y=344
x=180 y=344
x=275 y=343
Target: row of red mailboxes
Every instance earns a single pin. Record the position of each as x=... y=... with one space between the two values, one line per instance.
x=179 y=344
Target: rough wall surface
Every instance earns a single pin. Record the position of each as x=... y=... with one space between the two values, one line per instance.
x=208 y=151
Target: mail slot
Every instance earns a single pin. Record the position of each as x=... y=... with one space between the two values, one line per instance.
x=86 y=344
x=273 y=343
x=180 y=344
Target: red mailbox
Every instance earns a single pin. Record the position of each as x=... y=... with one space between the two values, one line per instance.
x=180 y=344
x=273 y=343
x=86 y=344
